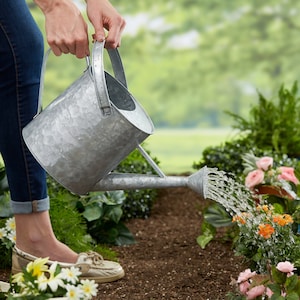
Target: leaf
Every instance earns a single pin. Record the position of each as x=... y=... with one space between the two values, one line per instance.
x=5 y=208
x=203 y=240
x=93 y=212
x=217 y=216
x=125 y=237
x=278 y=276
x=291 y=282
x=208 y=233
x=292 y=296
x=117 y=197
x=112 y=213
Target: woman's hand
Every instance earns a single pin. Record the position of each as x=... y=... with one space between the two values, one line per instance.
x=67 y=31
x=104 y=16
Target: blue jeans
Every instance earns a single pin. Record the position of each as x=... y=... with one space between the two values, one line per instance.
x=21 y=54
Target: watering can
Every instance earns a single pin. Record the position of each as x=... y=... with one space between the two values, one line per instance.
x=81 y=137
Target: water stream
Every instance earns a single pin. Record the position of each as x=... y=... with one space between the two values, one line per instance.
x=222 y=188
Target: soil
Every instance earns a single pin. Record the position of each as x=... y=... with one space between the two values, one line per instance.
x=166 y=262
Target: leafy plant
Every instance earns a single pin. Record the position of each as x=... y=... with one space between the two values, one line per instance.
x=103 y=213
x=228 y=156
x=5 y=210
x=274 y=125
x=215 y=216
x=100 y=214
x=63 y=217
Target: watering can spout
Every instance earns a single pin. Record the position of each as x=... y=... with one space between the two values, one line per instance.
x=116 y=181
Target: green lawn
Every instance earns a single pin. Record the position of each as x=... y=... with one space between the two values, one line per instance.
x=178 y=149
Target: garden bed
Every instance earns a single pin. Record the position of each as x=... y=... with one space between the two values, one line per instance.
x=166 y=262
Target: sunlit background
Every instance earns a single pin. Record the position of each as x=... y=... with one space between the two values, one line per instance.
x=187 y=62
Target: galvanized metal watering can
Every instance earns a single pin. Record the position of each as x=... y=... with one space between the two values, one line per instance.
x=81 y=137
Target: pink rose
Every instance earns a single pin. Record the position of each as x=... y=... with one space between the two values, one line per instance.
x=287 y=173
x=255 y=292
x=265 y=163
x=244 y=287
x=254 y=178
x=244 y=276
x=285 y=267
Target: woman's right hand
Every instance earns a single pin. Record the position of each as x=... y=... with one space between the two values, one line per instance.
x=66 y=29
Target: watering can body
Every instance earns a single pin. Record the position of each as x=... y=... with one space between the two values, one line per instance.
x=90 y=128
x=82 y=136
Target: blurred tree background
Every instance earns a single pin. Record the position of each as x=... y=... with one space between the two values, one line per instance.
x=187 y=61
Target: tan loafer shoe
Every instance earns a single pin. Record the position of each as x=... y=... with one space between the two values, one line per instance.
x=91 y=265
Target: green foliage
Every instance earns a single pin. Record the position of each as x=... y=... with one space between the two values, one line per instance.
x=138 y=203
x=227 y=156
x=273 y=129
x=63 y=217
x=6 y=253
x=215 y=216
x=274 y=126
x=5 y=210
x=100 y=214
x=103 y=212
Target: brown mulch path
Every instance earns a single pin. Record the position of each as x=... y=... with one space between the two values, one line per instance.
x=166 y=262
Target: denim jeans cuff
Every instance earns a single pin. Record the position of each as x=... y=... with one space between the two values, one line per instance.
x=30 y=206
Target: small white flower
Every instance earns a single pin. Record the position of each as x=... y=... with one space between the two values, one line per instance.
x=50 y=280
x=10 y=224
x=12 y=237
x=70 y=274
x=89 y=288
x=74 y=292
x=2 y=233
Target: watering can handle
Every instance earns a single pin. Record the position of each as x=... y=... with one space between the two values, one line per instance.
x=99 y=76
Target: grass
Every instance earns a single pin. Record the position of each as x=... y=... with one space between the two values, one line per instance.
x=178 y=149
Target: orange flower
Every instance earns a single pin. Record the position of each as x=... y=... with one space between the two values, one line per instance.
x=265 y=230
x=265 y=208
x=283 y=220
x=240 y=218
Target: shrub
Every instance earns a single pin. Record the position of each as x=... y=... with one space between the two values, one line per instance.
x=274 y=125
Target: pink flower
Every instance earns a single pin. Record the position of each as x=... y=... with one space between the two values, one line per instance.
x=287 y=173
x=244 y=287
x=254 y=178
x=269 y=292
x=255 y=292
x=285 y=267
x=244 y=276
x=265 y=163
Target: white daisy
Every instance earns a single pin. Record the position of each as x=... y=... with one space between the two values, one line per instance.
x=12 y=237
x=50 y=279
x=74 y=292
x=89 y=288
x=70 y=274
x=10 y=224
